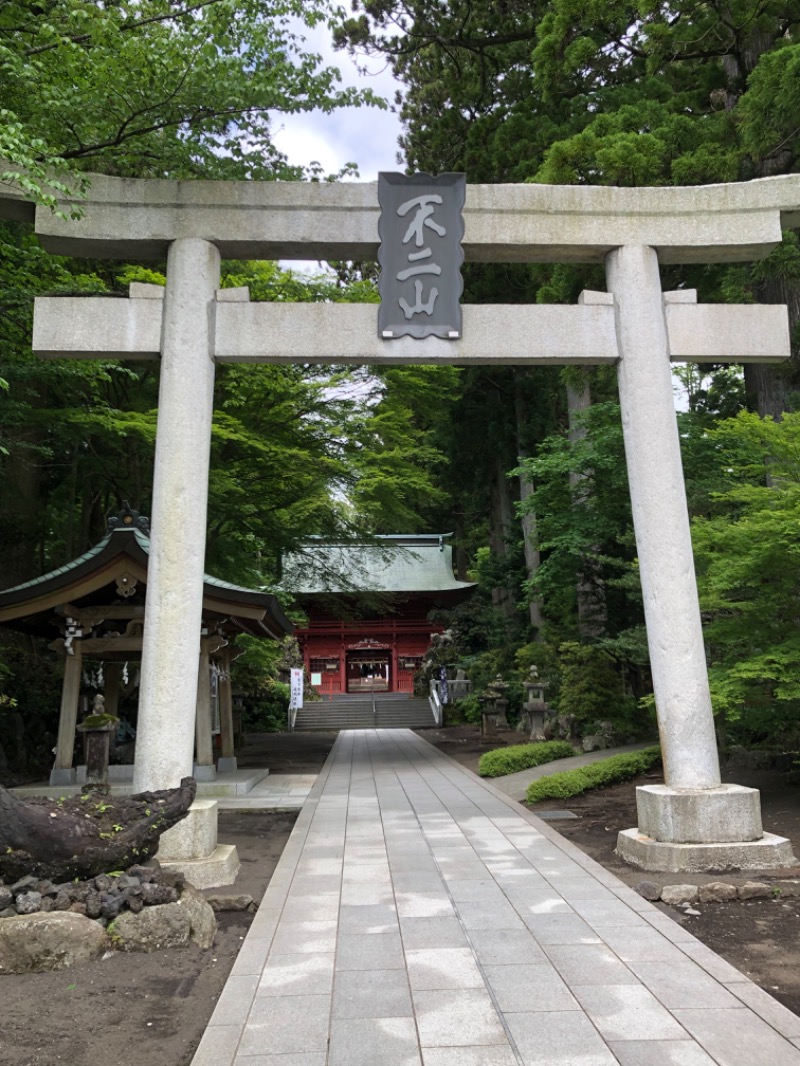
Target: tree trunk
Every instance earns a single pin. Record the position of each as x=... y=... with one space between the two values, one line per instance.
x=529 y=535
x=592 y=613
x=20 y=510
x=769 y=386
x=502 y=519
x=81 y=837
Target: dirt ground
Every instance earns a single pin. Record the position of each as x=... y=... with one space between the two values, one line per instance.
x=760 y=937
x=153 y=1009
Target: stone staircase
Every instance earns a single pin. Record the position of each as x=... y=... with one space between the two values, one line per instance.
x=391 y=712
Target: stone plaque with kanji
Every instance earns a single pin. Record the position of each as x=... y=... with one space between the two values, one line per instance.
x=421 y=227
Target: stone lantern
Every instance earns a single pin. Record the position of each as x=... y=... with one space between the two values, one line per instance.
x=97 y=728
x=535 y=707
x=494 y=706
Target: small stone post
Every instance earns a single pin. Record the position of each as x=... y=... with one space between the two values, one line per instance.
x=97 y=728
x=535 y=707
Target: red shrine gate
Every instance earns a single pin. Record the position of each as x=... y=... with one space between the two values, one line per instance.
x=341 y=658
x=347 y=648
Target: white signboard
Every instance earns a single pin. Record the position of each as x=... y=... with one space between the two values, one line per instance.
x=296 y=696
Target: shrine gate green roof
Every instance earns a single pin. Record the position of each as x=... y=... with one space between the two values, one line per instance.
x=397 y=563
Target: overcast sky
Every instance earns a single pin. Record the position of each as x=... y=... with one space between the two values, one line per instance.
x=366 y=136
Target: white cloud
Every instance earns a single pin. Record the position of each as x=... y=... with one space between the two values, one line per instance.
x=366 y=136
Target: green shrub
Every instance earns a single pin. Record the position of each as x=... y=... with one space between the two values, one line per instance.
x=596 y=775
x=591 y=686
x=521 y=756
x=267 y=712
x=468 y=709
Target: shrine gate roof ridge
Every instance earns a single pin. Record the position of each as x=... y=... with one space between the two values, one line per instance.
x=398 y=563
x=139 y=217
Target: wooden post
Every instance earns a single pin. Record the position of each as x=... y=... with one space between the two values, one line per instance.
x=112 y=673
x=204 y=766
x=227 y=759
x=63 y=772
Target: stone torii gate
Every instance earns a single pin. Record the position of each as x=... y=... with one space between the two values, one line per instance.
x=691 y=822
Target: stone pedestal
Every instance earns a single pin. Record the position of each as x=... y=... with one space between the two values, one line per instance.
x=191 y=847
x=97 y=742
x=693 y=830
x=65 y=776
x=532 y=722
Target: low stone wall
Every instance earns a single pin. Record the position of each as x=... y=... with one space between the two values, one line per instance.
x=44 y=926
x=715 y=891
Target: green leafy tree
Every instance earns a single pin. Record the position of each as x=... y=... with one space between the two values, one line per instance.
x=158 y=88
x=748 y=572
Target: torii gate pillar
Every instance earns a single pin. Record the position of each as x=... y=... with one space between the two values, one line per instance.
x=694 y=821
x=165 y=741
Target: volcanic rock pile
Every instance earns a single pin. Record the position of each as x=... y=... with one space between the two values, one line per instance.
x=103 y=898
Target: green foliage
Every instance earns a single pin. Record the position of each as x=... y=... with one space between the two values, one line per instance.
x=748 y=562
x=584 y=526
x=398 y=457
x=267 y=711
x=468 y=709
x=509 y=760
x=596 y=775
x=154 y=88
x=591 y=686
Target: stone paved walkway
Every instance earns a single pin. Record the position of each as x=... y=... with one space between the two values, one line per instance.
x=418 y=917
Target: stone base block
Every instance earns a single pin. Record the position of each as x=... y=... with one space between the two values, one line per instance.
x=227 y=764
x=118 y=774
x=727 y=814
x=63 y=777
x=193 y=838
x=218 y=868
x=770 y=852
x=204 y=773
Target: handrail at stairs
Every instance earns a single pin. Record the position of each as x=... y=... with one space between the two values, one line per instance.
x=435 y=703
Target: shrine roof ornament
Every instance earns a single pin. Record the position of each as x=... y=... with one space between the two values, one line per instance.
x=127 y=518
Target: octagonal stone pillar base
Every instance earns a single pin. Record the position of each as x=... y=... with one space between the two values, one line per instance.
x=698 y=830
x=769 y=853
x=191 y=847
x=699 y=816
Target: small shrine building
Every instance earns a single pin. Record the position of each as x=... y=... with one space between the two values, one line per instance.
x=93 y=611
x=368 y=607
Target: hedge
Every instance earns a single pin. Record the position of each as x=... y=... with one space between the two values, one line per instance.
x=596 y=775
x=504 y=761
